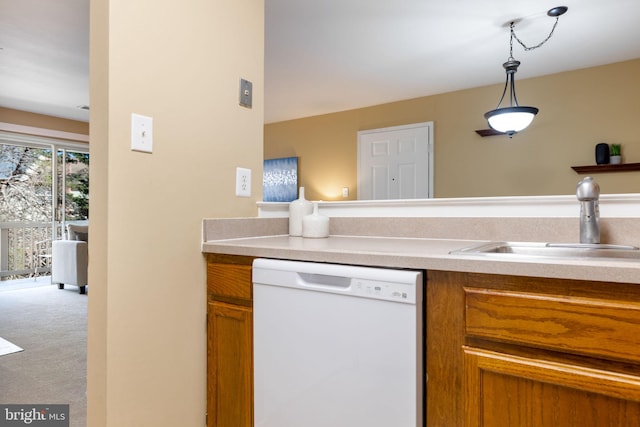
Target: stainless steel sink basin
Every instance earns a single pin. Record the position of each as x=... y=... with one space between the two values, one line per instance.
x=552 y=250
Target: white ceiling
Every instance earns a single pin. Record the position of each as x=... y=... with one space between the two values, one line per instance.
x=333 y=55
x=44 y=61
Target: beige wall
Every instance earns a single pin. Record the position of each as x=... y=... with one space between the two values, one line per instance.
x=180 y=63
x=578 y=109
x=39 y=121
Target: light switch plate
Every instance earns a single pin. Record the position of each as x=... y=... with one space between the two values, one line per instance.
x=243 y=182
x=141 y=133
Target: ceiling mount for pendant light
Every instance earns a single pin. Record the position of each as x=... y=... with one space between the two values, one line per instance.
x=554 y=12
x=514 y=118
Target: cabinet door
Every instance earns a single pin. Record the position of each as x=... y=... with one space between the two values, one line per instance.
x=510 y=391
x=229 y=365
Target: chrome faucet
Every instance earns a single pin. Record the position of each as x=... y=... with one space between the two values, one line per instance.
x=588 y=193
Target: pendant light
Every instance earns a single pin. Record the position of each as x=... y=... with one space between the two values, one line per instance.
x=514 y=118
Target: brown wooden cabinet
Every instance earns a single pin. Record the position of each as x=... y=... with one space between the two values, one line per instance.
x=507 y=351
x=501 y=351
x=229 y=341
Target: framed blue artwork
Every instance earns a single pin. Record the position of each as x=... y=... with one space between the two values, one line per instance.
x=280 y=180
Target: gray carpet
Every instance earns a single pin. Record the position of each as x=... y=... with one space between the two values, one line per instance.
x=51 y=326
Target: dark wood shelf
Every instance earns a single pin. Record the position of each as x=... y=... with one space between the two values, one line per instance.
x=488 y=132
x=623 y=167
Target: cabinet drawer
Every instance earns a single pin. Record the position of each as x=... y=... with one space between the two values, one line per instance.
x=586 y=326
x=230 y=281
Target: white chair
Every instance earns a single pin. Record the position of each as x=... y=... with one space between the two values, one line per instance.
x=70 y=258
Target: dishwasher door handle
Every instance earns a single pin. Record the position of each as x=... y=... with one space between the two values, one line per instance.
x=323 y=281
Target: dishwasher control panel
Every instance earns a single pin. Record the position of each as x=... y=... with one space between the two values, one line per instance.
x=404 y=286
x=401 y=292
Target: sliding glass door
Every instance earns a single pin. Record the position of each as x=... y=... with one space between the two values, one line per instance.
x=72 y=186
x=44 y=184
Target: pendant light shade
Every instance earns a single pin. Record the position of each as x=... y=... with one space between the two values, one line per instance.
x=510 y=120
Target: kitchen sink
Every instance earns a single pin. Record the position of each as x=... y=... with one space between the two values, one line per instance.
x=552 y=250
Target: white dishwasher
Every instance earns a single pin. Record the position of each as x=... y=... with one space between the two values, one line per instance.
x=337 y=345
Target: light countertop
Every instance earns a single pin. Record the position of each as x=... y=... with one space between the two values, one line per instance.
x=403 y=252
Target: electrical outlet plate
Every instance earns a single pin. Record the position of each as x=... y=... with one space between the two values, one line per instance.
x=243 y=182
x=246 y=93
x=141 y=133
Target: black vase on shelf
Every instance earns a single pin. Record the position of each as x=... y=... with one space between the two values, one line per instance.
x=602 y=153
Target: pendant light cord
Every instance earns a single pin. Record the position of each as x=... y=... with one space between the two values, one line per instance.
x=527 y=48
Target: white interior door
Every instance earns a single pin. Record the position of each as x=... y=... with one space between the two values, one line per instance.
x=396 y=162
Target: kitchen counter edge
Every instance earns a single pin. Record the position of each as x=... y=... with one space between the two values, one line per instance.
x=415 y=253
